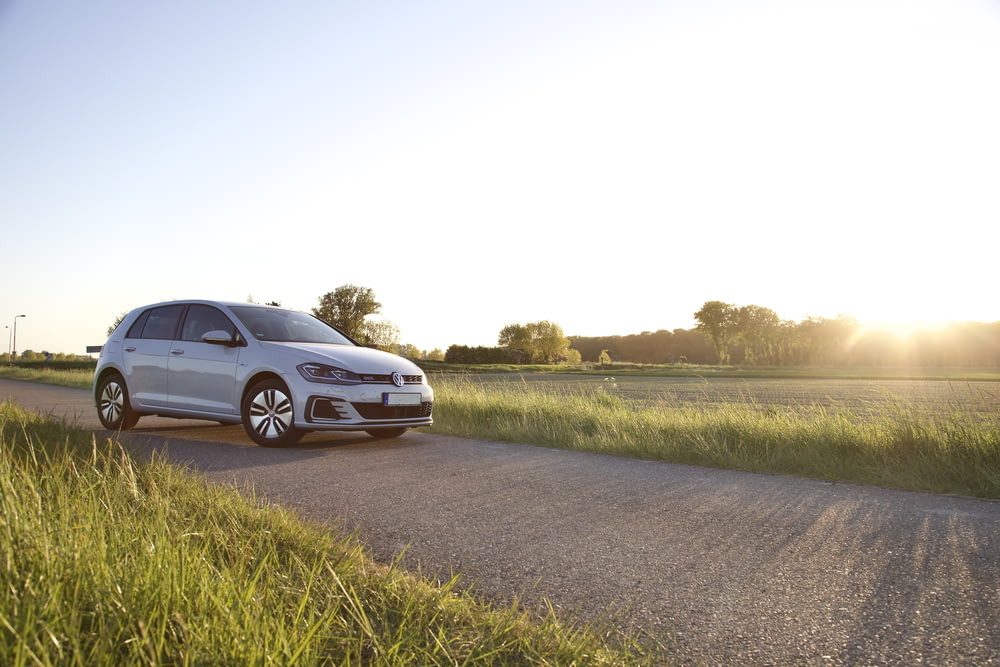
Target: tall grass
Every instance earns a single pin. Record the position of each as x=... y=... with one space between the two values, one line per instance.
x=78 y=379
x=104 y=561
x=900 y=445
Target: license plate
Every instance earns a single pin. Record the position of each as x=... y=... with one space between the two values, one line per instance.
x=400 y=399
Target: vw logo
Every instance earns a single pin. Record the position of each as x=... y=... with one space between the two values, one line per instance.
x=397 y=379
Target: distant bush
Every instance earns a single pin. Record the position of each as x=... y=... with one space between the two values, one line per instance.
x=79 y=364
x=463 y=354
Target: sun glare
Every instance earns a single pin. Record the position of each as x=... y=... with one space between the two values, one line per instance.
x=903 y=330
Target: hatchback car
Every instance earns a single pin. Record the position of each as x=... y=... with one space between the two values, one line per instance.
x=280 y=373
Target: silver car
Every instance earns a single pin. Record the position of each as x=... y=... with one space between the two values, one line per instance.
x=280 y=373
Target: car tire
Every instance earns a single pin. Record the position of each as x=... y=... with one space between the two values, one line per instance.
x=385 y=433
x=268 y=414
x=113 y=407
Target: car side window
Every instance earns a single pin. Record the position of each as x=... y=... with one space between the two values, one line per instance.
x=157 y=323
x=201 y=319
x=135 y=331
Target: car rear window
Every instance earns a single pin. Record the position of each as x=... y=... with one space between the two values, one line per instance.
x=158 y=323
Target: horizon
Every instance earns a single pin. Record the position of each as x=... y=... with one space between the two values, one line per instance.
x=902 y=331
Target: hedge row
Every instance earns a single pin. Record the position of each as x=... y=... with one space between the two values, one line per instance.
x=73 y=365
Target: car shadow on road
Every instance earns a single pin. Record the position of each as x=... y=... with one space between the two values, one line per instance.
x=227 y=447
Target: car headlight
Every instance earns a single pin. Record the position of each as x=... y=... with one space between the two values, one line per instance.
x=328 y=374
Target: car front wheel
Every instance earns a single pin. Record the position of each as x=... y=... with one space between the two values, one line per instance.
x=268 y=415
x=113 y=408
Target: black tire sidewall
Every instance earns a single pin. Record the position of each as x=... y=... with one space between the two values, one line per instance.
x=126 y=419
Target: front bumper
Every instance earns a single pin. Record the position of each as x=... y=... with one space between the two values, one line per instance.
x=334 y=413
x=323 y=407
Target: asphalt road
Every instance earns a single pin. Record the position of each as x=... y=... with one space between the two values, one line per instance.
x=721 y=567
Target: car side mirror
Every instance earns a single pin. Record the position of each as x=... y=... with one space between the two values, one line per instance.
x=219 y=337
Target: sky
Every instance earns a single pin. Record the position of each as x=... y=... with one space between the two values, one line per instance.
x=609 y=166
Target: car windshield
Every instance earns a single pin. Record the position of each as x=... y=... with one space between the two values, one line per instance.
x=287 y=326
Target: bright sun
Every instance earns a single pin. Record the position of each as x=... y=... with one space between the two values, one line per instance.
x=904 y=330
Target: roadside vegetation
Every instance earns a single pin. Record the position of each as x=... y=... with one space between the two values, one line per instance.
x=718 y=371
x=108 y=561
x=948 y=446
x=81 y=378
x=952 y=448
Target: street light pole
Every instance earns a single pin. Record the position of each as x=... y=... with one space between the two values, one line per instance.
x=14 y=343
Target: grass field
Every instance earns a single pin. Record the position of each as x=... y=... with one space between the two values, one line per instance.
x=936 y=436
x=107 y=562
x=863 y=397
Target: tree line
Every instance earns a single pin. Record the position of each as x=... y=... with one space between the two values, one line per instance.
x=755 y=335
x=725 y=334
x=534 y=343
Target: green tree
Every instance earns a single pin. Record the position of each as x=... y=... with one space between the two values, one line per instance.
x=827 y=341
x=548 y=341
x=758 y=328
x=408 y=350
x=571 y=357
x=347 y=307
x=517 y=339
x=383 y=334
x=717 y=320
x=542 y=342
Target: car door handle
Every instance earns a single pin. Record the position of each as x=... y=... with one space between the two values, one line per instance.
x=130 y=348
x=176 y=351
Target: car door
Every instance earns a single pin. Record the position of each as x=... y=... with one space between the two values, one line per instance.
x=145 y=352
x=203 y=375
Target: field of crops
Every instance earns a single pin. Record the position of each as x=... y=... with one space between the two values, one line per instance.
x=930 y=435
x=857 y=397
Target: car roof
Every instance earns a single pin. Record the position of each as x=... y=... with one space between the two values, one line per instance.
x=209 y=302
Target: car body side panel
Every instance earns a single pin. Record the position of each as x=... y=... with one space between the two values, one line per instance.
x=203 y=377
x=144 y=362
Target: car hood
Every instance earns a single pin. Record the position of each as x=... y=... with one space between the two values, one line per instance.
x=362 y=360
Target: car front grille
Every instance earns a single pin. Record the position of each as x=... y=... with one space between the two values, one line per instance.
x=379 y=411
x=387 y=379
